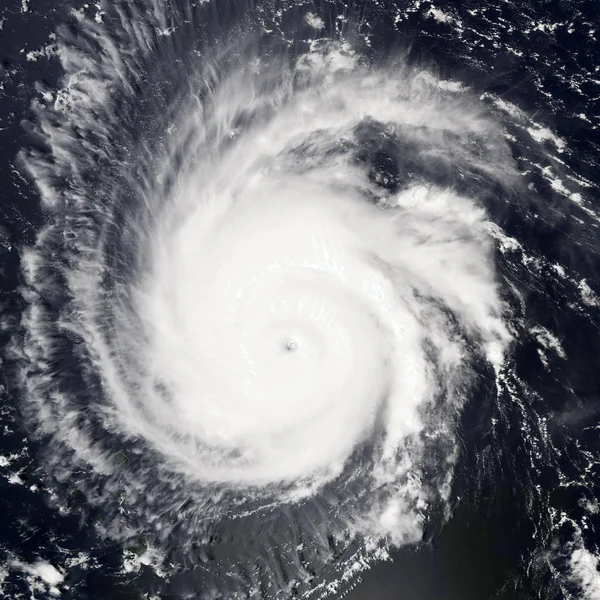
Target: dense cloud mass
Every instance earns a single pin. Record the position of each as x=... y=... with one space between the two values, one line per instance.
x=294 y=316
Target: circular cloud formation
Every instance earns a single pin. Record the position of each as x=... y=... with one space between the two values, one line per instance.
x=286 y=310
x=280 y=305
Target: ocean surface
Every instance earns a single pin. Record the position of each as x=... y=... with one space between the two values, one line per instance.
x=300 y=300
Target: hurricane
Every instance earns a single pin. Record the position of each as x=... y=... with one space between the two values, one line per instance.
x=268 y=292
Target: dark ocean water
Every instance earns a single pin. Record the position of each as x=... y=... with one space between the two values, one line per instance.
x=524 y=510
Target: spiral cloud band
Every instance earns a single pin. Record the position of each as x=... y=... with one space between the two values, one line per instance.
x=278 y=305
x=281 y=304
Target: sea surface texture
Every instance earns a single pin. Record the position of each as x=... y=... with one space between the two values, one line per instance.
x=300 y=300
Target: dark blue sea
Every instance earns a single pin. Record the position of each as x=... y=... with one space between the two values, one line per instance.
x=501 y=488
